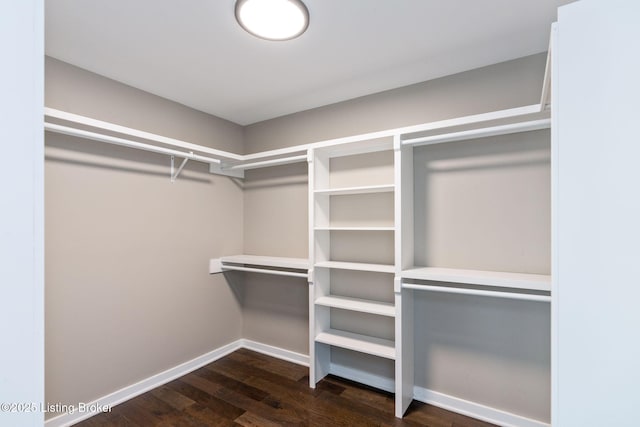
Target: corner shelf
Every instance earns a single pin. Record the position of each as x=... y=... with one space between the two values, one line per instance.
x=357 y=304
x=358 y=342
x=534 y=282
x=357 y=266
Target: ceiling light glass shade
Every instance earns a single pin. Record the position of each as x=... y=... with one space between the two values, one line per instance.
x=273 y=19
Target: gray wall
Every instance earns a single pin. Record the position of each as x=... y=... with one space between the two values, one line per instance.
x=128 y=292
x=491 y=352
x=276 y=308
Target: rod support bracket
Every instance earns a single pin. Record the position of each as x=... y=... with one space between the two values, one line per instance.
x=175 y=173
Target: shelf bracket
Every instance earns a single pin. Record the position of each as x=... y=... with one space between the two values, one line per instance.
x=221 y=169
x=174 y=175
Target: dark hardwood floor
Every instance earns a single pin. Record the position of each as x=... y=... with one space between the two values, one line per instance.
x=250 y=389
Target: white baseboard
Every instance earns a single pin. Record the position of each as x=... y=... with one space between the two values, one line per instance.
x=475 y=410
x=421 y=394
x=143 y=386
x=277 y=352
x=441 y=400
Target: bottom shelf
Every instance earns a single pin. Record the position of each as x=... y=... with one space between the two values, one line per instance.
x=357 y=342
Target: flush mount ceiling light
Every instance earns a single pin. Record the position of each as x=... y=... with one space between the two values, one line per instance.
x=273 y=19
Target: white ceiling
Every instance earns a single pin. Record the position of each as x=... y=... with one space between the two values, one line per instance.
x=193 y=52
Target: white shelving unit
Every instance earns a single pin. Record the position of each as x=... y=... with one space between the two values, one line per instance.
x=335 y=178
x=327 y=200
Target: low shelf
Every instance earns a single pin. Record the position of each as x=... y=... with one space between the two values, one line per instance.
x=358 y=342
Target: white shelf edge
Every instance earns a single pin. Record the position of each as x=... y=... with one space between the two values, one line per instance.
x=357 y=304
x=357 y=342
x=358 y=266
x=366 y=189
x=267 y=261
x=535 y=282
x=331 y=228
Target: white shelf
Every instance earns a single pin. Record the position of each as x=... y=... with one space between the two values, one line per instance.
x=357 y=304
x=266 y=261
x=358 y=266
x=357 y=190
x=331 y=228
x=537 y=282
x=357 y=342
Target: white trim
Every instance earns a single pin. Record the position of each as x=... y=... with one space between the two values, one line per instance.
x=277 y=352
x=475 y=410
x=133 y=390
x=555 y=213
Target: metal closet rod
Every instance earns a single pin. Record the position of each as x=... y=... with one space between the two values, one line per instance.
x=271 y=162
x=264 y=270
x=66 y=130
x=479 y=292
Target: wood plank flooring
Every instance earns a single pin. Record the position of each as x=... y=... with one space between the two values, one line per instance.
x=247 y=388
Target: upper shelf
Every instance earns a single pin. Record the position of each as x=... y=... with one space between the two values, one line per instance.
x=536 y=282
x=232 y=164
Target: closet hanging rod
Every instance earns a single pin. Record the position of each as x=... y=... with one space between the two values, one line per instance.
x=481 y=132
x=264 y=270
x=264 y=163
x=478 y=292
x=65 y=130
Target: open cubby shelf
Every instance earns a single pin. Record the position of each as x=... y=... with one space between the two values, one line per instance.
x=358 y=266
x=358 y=342
x=356 y=190
x=357 y=304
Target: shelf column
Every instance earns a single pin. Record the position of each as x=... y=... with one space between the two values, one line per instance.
x=403 y=217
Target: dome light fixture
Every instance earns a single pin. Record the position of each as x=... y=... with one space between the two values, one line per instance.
x=273 y=19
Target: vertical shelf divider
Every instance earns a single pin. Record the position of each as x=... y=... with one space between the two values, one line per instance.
x=403 y=219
